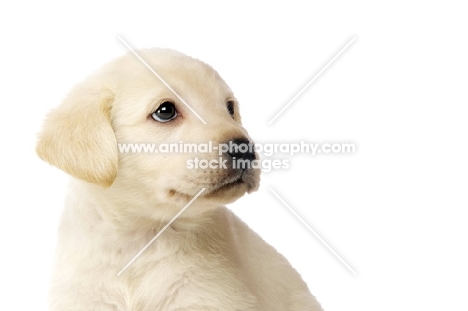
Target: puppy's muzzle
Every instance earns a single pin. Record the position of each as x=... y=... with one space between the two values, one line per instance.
x=241 y=155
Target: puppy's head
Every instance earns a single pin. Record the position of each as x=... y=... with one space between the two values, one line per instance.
x=113 y=131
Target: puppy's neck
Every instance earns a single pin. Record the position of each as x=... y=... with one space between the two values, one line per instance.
x=97 y=206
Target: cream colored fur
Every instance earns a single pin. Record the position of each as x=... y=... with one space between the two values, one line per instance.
x=207 y=259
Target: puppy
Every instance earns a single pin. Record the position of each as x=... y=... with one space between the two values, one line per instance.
x=207 y=259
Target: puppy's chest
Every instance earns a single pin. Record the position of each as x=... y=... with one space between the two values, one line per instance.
x=185 y=280
x=181 y=270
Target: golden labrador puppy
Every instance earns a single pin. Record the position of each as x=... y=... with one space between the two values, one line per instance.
x=207 y=259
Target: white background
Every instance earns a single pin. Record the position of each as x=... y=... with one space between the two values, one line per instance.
x=395 y=210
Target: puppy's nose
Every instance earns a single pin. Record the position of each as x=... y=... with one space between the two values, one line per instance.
x=241 y=149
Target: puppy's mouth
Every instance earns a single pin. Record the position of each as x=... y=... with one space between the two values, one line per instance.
x=246 y=180
x=226 y=185
x=235 y=185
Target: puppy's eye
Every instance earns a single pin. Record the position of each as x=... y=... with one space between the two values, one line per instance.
x=230 y=107
x=165 y=112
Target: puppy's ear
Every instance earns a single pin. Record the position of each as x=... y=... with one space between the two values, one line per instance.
x=78 y=138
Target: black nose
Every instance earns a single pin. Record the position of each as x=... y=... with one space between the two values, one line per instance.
x=241 y=149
